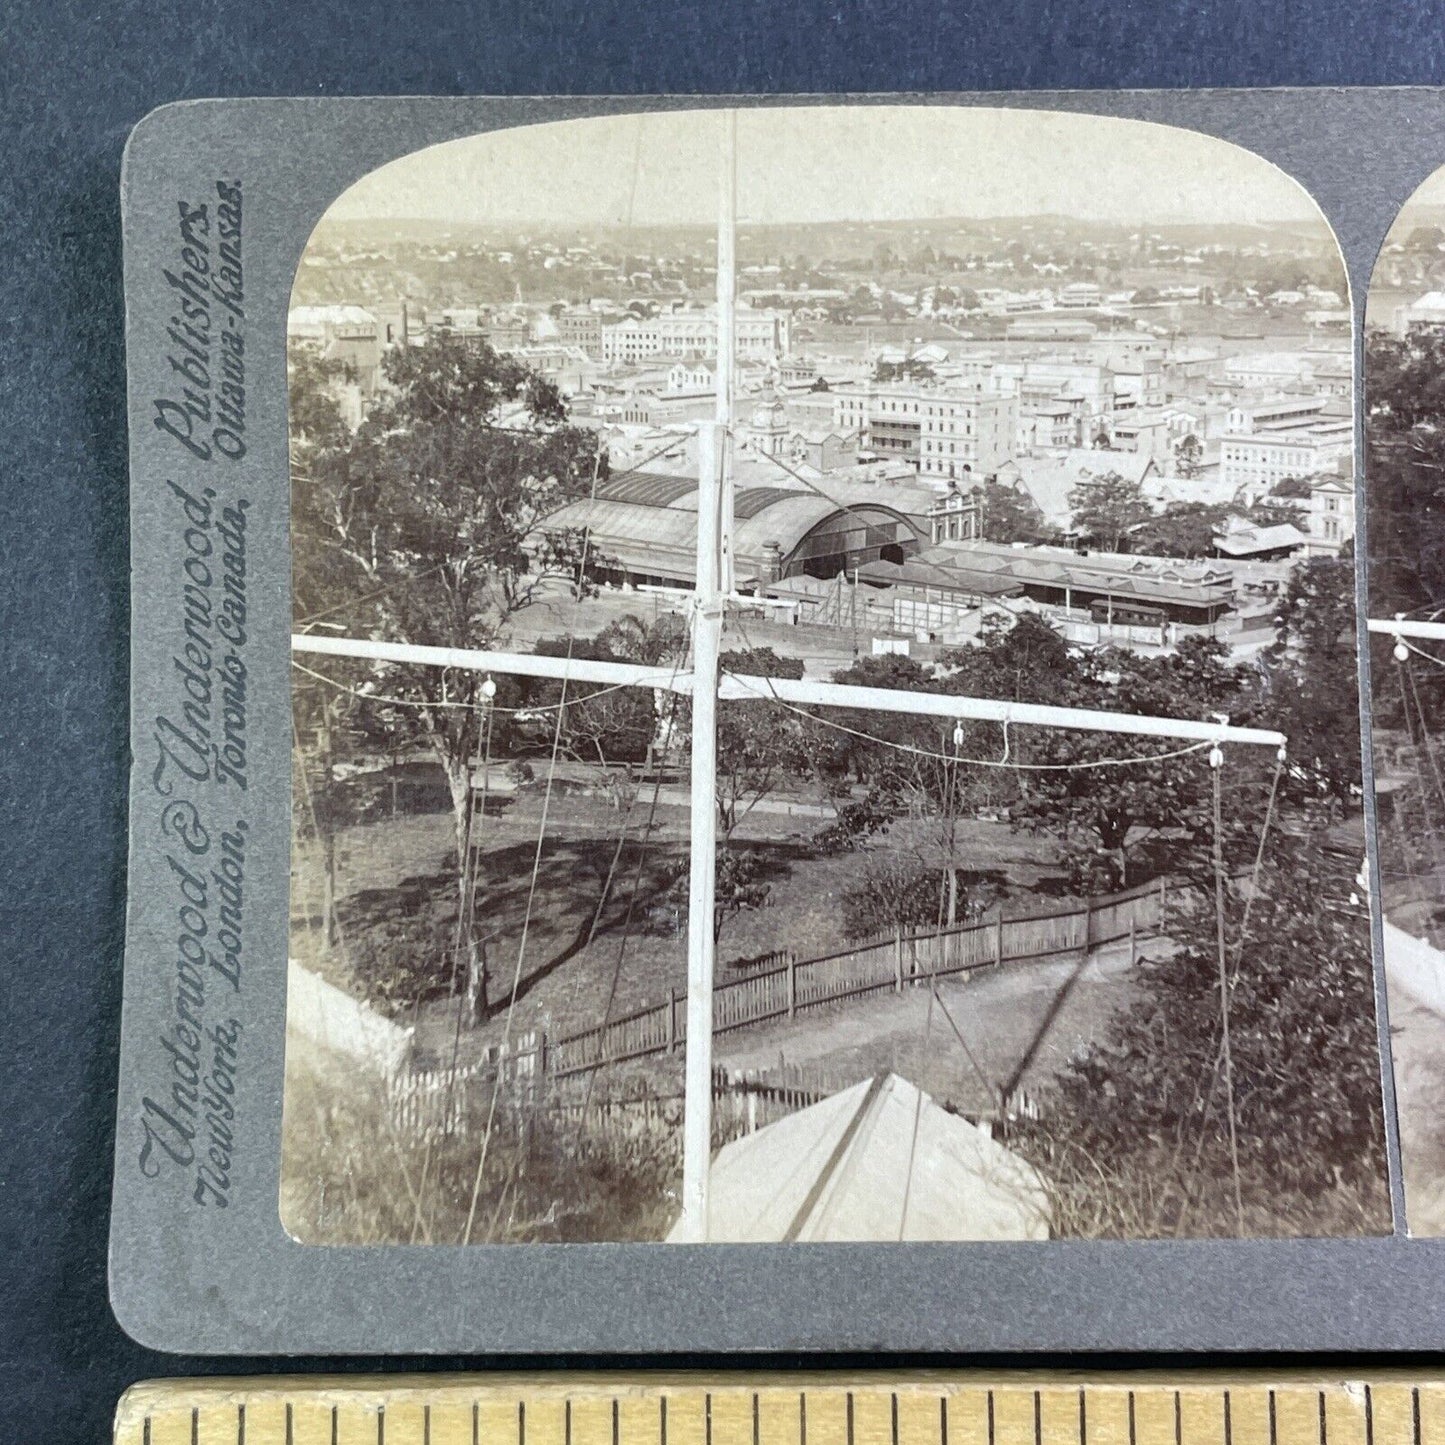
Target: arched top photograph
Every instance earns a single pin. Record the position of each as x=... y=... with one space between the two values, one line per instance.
x=824 y=692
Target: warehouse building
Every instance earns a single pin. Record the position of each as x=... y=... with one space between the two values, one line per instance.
x=643 y=529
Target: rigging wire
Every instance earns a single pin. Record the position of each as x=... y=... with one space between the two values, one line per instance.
x=485 y=706
x=527 y=914
x=1004 y=762
x=1216 y=761
x=633 y=895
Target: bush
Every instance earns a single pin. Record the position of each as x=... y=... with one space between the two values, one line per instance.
x=350 y=1176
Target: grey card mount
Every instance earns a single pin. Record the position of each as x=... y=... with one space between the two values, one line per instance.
x=773 y=723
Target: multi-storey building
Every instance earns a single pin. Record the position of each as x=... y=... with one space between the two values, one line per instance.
x=1331 y=516
x=1256 y=462
x=583 y=329
x=761 y=335
x=947 y=432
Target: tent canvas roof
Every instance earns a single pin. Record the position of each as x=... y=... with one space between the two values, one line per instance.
x=878 y=1161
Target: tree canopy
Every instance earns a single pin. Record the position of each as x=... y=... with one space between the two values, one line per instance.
x=1107 y=508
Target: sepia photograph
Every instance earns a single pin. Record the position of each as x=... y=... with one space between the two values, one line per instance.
x=825 y=693
x=1405 y=455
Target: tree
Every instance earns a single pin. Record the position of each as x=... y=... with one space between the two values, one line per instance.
x=759 y=745
x=1188 y=456
x=1292 y=489
x=1313 y=696
x=606 y=725
x=1141 y=1117
x=429 y=526
x=909 y=369
x=1107 y=508
x=1123 y=823
x=926 y=770
x=1405 y=439
x=1009 y=514
x=1182 y=529
x=1267 y=513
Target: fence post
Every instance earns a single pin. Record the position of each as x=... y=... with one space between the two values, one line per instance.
x=672 y=1020
x=1163 y=898
x=998 y=938
x=1088 y=923
x=1133 y=941
x=792 y=982
x=898 y=960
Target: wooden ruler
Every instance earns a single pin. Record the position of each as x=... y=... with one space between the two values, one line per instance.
x=1163 y=1408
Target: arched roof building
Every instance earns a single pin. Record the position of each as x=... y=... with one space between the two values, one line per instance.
x=644 y=529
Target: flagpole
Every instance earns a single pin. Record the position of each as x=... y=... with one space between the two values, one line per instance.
x=727 y=325
x=714 y=525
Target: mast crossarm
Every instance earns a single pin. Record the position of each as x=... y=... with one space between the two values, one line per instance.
x=799 y=692
x=1406 y=627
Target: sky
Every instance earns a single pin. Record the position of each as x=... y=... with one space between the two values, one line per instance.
x=831 y=163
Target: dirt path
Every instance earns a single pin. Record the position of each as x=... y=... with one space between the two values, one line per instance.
x=1020 y=1023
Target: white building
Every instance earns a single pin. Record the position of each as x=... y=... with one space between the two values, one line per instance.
x=947 y=432
x=1331 y=516
x=1255 y=463
x=1426 y=314
x=761 y=335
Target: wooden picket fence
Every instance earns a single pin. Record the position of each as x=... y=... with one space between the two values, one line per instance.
x=781 y=986
x=434 y=1104
x=533 y=1073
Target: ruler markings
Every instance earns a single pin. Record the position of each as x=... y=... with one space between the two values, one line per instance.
x=1014 y=1418
x=1297 y=1416
x=729 y=1417
x=1106 y=1416
x=1249 y=1417
x=1386 y=1410
x=870 y=1419
x=546 y=1420
x=920 y=1417
x=1431 y=1415
x=1198 y=1417
x=591 y=1420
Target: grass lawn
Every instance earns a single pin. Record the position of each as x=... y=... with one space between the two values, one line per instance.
x=396 y=889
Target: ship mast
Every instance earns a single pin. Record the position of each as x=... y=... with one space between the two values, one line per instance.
x=714 y=583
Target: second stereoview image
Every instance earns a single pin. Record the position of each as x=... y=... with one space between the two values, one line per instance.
x=824 y=691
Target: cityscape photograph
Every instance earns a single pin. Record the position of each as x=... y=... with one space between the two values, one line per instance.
x=825 y=689
x=1404 y=452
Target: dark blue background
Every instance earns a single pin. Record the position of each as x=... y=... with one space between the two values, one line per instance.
x=73 y=80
